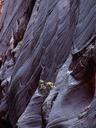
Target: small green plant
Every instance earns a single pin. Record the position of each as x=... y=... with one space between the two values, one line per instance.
x=50 y=84
x=42 y=84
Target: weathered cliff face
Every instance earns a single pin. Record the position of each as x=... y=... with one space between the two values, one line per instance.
x=15 y=16
x=1 y=5
x=51 y=77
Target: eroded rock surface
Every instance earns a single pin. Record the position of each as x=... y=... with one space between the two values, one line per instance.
x=48 y=74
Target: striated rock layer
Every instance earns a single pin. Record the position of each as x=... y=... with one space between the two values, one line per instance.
x=53 y=81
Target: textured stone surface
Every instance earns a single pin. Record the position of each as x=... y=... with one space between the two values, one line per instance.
x=57 y=30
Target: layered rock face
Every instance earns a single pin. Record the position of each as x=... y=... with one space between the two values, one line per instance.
x=1 y=5
x=48 y=74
